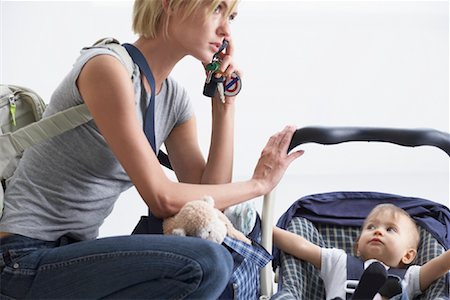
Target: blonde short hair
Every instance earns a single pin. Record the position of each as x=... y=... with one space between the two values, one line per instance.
x=396 y=211
x=149 y=15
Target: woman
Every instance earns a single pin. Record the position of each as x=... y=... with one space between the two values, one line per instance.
x=63 y=189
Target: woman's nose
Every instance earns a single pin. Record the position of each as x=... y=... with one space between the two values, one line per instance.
x=224 y=29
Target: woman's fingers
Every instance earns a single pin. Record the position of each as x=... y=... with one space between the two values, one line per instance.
x=229 y=50
x=274 y=158
x=283 y=138
x=226 y=67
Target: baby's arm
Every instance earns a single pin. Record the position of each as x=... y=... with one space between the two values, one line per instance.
x=297 y=246
x=433 y=269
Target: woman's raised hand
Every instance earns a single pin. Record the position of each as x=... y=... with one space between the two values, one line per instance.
x=274 y=159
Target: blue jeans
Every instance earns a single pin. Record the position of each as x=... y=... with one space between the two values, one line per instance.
x=126 y=267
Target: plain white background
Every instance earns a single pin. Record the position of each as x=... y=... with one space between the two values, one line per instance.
x=334 y=63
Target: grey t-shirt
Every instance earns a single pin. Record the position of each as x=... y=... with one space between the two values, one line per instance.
x=68 y=185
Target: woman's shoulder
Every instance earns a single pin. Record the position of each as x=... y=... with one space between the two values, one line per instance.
x=87 y=53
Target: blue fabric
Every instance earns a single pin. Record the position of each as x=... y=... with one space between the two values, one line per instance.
x=350 y=209
x=127 y=267
x=255 y=252
x=247 y=259
x=149 y=123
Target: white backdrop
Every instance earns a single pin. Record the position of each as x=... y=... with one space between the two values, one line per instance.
x=334 y=63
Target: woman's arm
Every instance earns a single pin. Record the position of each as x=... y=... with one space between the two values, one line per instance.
x=182 y=144
x=184 y=152
x=434 y=269
x=185 y=155
x=219 y=166
x=297 y=246
x=107 y=91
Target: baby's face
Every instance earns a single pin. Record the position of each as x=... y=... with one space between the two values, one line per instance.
x=387 y=239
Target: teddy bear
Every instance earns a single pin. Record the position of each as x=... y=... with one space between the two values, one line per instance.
x=200 y=218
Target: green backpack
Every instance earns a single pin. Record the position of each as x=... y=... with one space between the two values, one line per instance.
x=22 y=125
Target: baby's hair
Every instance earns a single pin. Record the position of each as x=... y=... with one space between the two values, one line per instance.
x=396 y=212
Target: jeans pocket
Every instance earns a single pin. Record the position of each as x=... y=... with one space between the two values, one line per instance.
x=21 y=260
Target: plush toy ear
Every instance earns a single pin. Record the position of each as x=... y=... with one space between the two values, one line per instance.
x=179 y=232
x=209 y=200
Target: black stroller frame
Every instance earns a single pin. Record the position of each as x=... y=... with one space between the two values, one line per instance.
x=305 y=273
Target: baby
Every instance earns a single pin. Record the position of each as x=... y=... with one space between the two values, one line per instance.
x=389 y=237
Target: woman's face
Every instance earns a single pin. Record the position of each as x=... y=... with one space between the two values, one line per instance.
x=201 y=34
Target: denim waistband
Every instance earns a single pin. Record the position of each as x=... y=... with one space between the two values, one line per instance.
x=16 y=241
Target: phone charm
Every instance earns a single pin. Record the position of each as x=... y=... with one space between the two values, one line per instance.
x=229 y=87
x=233 y=85
x=225 y=87
x=211 y=68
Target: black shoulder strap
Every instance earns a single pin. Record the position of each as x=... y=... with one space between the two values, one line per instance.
x=355 y=267
x=397 y=272
x=149 y=122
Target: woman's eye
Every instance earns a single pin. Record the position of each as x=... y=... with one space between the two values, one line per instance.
x=218 y=9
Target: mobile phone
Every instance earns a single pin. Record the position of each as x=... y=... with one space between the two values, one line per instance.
x=232 y=86
x=222 y=47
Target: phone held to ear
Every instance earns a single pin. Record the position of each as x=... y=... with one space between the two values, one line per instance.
x=224 y=86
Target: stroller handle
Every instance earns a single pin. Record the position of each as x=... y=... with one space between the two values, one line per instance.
x=403 y=137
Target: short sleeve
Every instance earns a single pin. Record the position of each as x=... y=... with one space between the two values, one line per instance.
x=412 y=281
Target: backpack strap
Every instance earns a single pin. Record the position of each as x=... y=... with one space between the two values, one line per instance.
x=12 y=144
x=67 y=119
x=130 y=55
x=72 y=117
x=46 y=128
x=149 y=122
x=115 y=46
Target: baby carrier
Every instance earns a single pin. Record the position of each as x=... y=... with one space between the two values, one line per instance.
x=334 y=219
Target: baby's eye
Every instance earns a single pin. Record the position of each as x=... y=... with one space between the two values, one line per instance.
x=370 y=227
x=391 y=229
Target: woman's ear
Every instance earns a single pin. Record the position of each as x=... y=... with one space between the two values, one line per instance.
x=409 y=256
